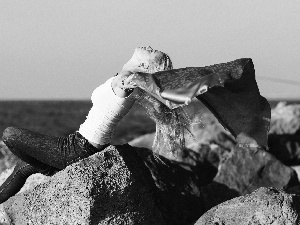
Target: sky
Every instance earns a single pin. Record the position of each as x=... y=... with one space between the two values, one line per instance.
x=53 y=49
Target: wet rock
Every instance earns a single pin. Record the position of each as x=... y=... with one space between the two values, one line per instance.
x=265 y=206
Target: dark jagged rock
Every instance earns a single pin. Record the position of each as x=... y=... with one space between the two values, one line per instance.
x=120 y=185
x=265 y=206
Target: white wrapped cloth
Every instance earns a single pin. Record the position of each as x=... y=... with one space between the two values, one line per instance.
x=108 y=109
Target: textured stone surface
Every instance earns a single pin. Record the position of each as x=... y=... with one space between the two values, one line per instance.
x=266 y=206
x=285 y=119
x=4 y=218
x=121 y=185
x=106 y=188
x=245 y=170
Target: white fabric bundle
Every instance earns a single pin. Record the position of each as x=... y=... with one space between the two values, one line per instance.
x=108 y=109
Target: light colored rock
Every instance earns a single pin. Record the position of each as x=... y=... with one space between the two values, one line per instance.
x=102 y=189
x=265 y=206
x=244 y=171
x=285 y=119
x=4 y=218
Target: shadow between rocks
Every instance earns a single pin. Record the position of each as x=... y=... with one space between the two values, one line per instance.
x=175 y=189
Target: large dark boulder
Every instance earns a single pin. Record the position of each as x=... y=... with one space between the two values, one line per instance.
x=265 y=206
x=120 y=185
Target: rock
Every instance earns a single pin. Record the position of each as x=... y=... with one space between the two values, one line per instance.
x=206 y=142
x=4 y=218
x=245 y=170
x=265 y=206
x=120 y=185
x=177 y=189
x=285 y=119
x=286 y=147
x=105 y=188
x=284 y=135
x=225 y=173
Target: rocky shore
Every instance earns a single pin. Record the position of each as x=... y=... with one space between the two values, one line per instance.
x=212 y=182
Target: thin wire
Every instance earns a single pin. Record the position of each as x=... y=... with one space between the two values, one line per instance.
x=279 y=80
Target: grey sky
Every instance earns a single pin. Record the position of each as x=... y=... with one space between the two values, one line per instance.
x=64 y=49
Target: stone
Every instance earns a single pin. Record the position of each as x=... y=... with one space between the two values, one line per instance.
x=285 y=119
x=105 y=188
x=245 y=170
x=120 y=185
x=284 y=135
x=227 y=172
x=265 y=206
x=4 y=218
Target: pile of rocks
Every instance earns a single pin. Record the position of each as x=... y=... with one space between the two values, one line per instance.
x=130 y=185
x=212 y=182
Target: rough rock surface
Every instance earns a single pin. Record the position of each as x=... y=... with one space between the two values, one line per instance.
x=285 y=119
x=284 y=135
x=4 y=218
x=265 y=206
x=245 y=170
x=225 y=173
x=102 y=189
x=120 y=185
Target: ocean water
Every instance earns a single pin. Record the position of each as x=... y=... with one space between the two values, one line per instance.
x=60 y=118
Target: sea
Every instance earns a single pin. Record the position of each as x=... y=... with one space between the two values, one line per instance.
x=60 y=118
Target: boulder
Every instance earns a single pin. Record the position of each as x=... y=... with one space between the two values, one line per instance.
x=245 y=170
x=120 y=185
x=105 y=188
x=284 y=135
x=285 y=119
x=265 y=206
